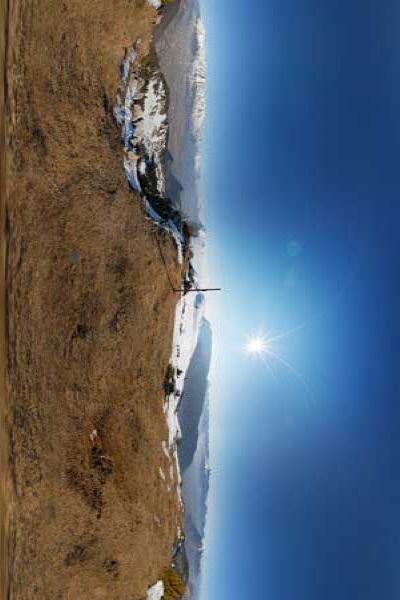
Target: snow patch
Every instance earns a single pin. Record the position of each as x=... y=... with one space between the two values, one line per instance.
x=141 y=111
x=165 y=450
x=129 y=59
x=156 y=592
x=151 y=129
x=188 y=315
x=154 y=3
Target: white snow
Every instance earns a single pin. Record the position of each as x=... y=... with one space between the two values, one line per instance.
x=152 y=129
x=156 y=592
x=162 y=474
x=154 y=3
x=144 y=122
x=126 y=63
x=130 y=165
x=165 y=450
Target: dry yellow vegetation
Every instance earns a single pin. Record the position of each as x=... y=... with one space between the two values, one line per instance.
x=89 y=317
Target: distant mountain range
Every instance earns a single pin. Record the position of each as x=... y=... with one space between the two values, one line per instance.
x=180 y=46
x=194 y=454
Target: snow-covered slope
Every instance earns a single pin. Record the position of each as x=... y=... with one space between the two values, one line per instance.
x=141 y=110
x=156 y=592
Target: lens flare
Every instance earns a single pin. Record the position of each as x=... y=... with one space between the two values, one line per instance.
x=257 y=345
x=262 y=347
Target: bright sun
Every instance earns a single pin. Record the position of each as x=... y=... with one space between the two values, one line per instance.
x=265 y=348
x=257 y=345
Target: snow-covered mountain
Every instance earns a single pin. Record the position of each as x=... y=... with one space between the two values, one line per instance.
x=180 y=46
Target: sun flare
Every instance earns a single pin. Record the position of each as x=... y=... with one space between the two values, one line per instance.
x=257 y=345
x=266 y=348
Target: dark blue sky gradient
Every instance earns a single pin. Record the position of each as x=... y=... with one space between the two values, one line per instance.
x=303 y=143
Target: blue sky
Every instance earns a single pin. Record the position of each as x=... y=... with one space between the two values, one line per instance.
x=302 y=150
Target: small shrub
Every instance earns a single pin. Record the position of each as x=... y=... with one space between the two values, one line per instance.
x=174 y=586
x=169 y=380
x=170 y=372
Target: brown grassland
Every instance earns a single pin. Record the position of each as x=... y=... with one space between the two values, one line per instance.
x=89 y=317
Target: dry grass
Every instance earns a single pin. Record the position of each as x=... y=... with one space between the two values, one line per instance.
x=90 y=317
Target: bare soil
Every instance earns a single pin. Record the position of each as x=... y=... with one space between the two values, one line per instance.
x=89 y=317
